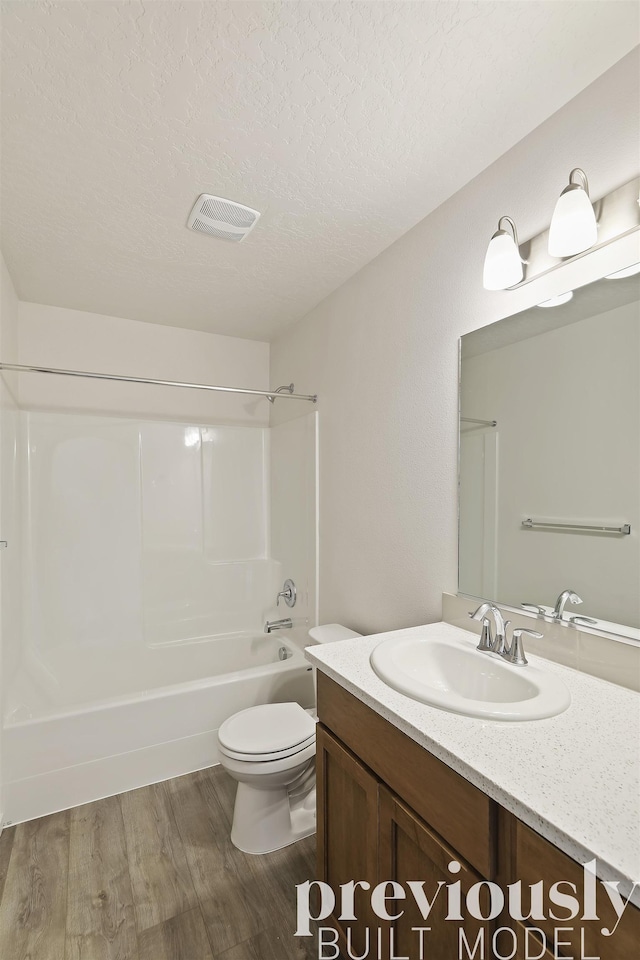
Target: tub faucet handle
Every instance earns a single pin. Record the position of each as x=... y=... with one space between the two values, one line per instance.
x=288 y=593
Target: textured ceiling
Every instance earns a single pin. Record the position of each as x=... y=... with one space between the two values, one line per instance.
x=343 y=123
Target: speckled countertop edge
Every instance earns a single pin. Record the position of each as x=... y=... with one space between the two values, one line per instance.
x=574 y=778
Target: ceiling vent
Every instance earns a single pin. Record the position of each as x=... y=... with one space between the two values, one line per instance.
x=222 y=218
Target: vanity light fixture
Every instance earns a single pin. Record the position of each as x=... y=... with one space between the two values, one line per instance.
x=503 y=263
x=626 y=272
x=574 y=233
x=573 y=226
x=557 y=301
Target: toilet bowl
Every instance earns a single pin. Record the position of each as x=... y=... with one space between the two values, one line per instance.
x=270 y=750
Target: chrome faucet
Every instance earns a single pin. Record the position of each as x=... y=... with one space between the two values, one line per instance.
x=567 y=596
x=491 y=643
x=511 y=652
x=272 y=625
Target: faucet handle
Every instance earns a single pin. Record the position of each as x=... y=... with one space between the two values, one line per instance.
x=514 y=653
x=534 y=608
x=485 y=637
x=586 y=620
x=288 y=592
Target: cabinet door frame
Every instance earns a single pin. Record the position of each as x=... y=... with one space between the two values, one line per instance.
x=535 y=858
x=328 y=748
x=394 y=814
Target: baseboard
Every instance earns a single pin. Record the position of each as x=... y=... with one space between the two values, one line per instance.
x=68 y=787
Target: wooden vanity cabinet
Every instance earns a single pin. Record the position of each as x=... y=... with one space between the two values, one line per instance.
x=366 y=833
x=390 y=811
x=456 y=810
x=366 y=768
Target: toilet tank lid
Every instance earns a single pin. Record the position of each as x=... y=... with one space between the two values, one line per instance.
x=328 y=632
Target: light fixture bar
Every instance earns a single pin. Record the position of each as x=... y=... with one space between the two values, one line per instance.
x=618 y=217
x=578 y=256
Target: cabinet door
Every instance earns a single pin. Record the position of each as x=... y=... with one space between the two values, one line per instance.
x=535 y=860
x=408 y=850
x=347 y=834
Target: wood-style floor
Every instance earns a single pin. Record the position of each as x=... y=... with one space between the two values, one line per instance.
x=149 y=875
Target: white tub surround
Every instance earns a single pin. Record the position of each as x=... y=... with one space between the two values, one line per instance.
x=64 y=756
x=148 y=573
x=573 y=778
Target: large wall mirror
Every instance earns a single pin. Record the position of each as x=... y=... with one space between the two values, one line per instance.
x=550 y=456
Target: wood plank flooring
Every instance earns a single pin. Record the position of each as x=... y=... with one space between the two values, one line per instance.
x=100 y=913
x=149 y=875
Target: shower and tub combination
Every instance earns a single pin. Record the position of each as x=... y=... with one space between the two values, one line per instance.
x=151 y=554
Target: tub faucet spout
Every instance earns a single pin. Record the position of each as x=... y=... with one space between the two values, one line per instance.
x=272 y=625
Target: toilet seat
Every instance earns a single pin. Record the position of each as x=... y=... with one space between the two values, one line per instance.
x=271 y=731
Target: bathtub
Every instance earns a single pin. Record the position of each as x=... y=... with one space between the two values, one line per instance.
x=85 y=726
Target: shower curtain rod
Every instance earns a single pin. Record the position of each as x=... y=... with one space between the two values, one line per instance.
x=269 y=394
x=485 y=423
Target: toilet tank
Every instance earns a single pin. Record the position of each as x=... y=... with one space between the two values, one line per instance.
x=328 y=633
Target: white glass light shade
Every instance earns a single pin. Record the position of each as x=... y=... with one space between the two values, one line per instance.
x=502 y=263
x=573 y=225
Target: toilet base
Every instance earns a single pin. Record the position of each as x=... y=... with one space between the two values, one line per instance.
x=265 y=820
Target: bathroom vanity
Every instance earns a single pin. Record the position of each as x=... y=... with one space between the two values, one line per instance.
x=407 y=792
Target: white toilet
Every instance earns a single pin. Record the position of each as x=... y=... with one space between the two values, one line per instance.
x=270 y=750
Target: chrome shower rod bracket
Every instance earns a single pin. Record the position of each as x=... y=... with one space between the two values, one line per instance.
x=288 y=388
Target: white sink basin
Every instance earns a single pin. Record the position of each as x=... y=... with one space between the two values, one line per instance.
x=452 y=675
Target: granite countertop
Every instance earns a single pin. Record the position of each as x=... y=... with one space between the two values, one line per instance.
x=573 y=778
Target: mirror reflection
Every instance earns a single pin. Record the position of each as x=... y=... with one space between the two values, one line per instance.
x=550 y=457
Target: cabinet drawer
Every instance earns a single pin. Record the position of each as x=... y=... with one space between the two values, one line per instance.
x=535 y=859
x=459 y=812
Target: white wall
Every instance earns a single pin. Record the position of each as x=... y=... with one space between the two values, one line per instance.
x=567 y=403
x=9 y=489
x=381 y=352
x=74 y=339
